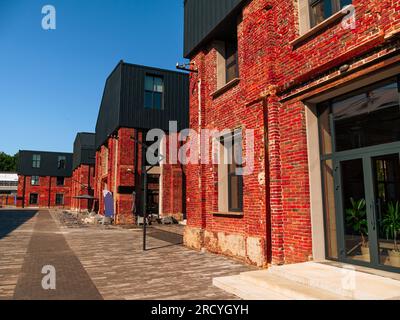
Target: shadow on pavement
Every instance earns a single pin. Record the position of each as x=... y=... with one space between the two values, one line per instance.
x=13 y=219
x=172 y=238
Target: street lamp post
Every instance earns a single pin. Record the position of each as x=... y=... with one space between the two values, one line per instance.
x=145 y=171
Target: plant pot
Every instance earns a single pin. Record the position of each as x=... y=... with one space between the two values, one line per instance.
x=394 y=257
x=365 y=250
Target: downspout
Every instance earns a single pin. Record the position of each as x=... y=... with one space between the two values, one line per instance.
x=200 y=120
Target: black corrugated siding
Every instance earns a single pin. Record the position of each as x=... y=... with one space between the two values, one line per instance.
x=129 y=105
x=84 y=149
x=202 y=17
x=48 y=164
x=108 y=118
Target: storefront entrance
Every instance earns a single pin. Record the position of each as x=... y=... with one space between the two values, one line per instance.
x=360 y=139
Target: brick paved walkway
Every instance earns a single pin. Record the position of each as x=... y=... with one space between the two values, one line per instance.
x=48 y=247
x=15 y=233
x=108 y=263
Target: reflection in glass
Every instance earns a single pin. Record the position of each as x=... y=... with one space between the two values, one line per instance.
x=317 y=12
x=355 y=212
x=387 y=200
x=367 y=119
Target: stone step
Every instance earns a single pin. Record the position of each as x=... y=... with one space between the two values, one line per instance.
x=245 y=290
x=294 y=291
x=340 y=281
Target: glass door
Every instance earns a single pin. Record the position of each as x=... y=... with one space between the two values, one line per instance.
x=386 y=181
x=353 y=212
x=368 y=200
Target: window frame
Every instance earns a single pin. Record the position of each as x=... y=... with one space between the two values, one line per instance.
x=63 y=181
x=330 y=8
x=37 y=181
x=231 y=45
x=232 y=173
x=57 y=198
x=36 y=159
x=154 y=92
x=30 y=198
x=62 y=162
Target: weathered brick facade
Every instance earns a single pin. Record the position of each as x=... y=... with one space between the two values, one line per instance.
x=276 y=77
x=82 y=185
x=118 y=165
x=46 y=191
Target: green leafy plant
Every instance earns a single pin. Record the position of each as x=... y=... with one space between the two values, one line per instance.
x=356 y=218
x=391 y=222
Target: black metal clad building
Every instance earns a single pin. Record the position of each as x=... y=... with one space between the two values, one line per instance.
x=205 y=19
x=48 y=164
x=123 y=103
x=84 y=149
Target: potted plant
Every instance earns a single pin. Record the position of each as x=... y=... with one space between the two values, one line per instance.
x=356 y=218
x=391 y=225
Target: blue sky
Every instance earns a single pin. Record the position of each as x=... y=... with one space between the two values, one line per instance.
x=51 y=82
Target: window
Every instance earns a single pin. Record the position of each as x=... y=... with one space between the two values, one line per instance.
x=34 y=180
x=61 y=162
x=60 y=181
x=59 y=199
x=154 y=91
x=36 y=161
x=33 y=198
x=232 y=71
x=8 y=183
x=227 y=60
x=230 y=189
x=364 y=118
x=323 y=9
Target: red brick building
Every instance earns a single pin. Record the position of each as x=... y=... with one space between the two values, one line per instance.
x=44 y=179
x=83 y=172
x=319 y=86
x=136 y=100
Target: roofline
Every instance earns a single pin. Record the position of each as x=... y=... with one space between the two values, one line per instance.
x=41 y=151
x=206 y=39
x=86 y=133
x=153 y=68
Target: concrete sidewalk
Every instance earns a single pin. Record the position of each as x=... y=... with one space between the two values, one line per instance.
x=310 y=281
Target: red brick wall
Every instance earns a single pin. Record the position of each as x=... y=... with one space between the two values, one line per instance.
x=7 y=200
x=82 y=180
x=46 y=190
x=277 y=208
x=120 y=171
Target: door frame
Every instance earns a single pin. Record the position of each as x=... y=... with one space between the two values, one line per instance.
x=366 y=155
